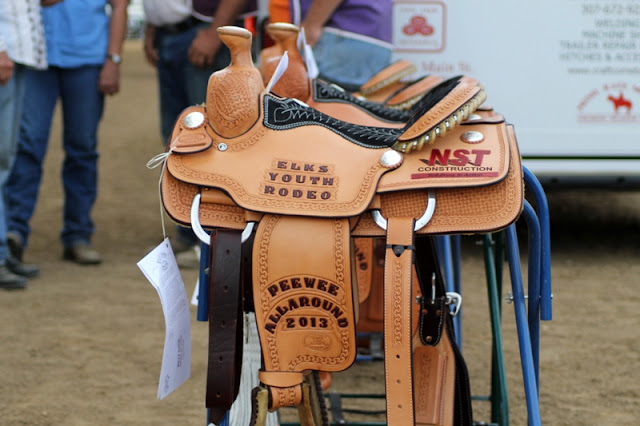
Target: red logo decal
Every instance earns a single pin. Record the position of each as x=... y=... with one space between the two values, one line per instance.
x=418 y=25
x=620 y=102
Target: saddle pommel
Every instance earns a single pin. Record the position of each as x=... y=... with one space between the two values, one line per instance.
x=294 y=83
x=233 y=92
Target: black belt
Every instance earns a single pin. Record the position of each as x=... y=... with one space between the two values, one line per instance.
x=181 y=26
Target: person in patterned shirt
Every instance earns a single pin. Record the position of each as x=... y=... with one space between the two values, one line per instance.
x=22 y=46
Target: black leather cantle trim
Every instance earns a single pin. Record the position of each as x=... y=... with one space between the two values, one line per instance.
x=324 y=92
x=283 y=114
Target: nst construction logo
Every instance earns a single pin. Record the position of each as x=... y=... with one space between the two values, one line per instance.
x=617 y=102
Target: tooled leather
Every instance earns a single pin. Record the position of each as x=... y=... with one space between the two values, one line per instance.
x=470 y=210
x=363 y=262
x=454 y=100
x=231 y=100
x=391 y=74
x=466 y=164
x=397 y=323
x=353 y=206
x=316 y=344
x=413 y=90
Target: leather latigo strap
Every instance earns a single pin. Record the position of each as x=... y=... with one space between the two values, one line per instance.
x=397 y=325
x=303 y=300
x=225 y=323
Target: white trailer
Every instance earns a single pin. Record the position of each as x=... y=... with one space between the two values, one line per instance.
x=566 y=73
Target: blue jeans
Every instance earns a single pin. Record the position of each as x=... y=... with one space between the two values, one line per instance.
x=11 y=96
x=82 y=107
x=349 y=61
x=181 y=84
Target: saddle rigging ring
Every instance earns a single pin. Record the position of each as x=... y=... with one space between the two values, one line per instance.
x=422 y=220
x=201 y=233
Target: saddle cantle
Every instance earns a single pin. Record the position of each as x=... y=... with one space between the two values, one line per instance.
x=312 y=182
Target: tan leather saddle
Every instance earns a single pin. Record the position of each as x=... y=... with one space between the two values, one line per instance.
x=297 y=186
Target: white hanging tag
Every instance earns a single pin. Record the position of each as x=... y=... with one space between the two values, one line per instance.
x=307 y=54
x=280 y=69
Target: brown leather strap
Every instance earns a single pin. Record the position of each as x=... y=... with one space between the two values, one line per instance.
x=397 y=321
x=225 y=323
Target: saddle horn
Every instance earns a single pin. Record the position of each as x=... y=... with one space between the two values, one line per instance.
x=233 y=92
x=295 y=83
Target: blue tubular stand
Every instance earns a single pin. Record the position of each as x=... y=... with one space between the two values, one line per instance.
x=542 y=209
x=534 y=284
x=522 y=326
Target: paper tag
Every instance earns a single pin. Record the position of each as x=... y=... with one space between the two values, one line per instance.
x=280 y=69
x=307 y=54
x=162 y=271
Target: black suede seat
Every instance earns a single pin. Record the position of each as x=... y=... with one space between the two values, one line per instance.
x=325 y=92
x=286 y=113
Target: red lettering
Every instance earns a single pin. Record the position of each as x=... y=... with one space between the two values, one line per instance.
x=480 y=153
x=437 y=156
x=461 y=158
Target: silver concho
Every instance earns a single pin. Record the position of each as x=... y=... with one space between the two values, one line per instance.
x=222 y=146
x=472 y=137
x=391 y=159
x=473 y=117
x=193 y=120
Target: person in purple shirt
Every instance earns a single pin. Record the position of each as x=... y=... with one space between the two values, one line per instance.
x=351 y=39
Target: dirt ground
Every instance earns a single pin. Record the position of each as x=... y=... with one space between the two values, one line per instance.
x=83 y=345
